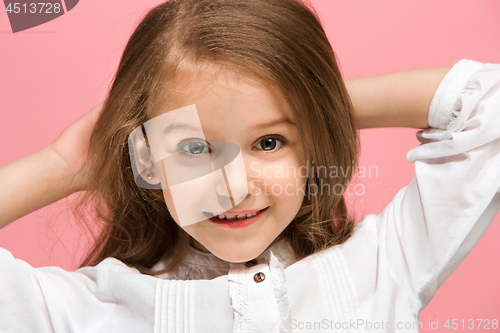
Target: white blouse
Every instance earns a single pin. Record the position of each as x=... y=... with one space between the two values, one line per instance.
x=379 y=279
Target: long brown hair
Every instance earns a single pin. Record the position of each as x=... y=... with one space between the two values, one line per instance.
x=280 y=42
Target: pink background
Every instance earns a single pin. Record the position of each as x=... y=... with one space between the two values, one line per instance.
x=51 y=74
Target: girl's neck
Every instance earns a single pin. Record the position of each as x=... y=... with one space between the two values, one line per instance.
x=197 y=245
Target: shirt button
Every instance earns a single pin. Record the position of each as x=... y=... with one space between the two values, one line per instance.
x=259 y=277
x=251 y=263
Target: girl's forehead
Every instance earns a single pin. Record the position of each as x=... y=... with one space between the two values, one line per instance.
x=227 y=97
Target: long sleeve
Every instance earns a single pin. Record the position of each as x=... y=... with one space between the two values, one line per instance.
x=435 y=221
x=50 y=299
x=20 y=295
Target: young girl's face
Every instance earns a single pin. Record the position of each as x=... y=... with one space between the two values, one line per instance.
x=247 y=112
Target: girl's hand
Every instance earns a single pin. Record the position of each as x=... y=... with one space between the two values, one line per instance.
x=47 y=175
x=72 y=145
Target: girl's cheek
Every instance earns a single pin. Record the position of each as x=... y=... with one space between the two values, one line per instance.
x=290 y=188
x=167 y=195
x=284 y=179
x=170 y=204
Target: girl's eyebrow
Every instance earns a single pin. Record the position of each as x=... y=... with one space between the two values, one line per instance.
x=181 y=126
x=279 y=121
x=189 y=127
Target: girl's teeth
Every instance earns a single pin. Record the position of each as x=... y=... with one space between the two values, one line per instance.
x=239 y=217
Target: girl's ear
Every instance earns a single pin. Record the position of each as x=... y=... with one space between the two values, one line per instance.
x=145 y=173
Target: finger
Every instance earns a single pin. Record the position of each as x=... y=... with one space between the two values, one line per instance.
x=95 y=112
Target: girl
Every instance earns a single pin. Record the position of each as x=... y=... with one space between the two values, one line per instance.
x=262 y=76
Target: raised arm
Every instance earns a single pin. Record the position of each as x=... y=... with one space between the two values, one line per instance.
x=48 y=174
x=435 y=221
x=400 y=99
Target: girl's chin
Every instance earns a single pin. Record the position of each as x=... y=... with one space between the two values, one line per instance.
x=238 y=256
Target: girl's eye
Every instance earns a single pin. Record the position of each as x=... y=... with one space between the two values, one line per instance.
x=194 y=148
x=270 y=143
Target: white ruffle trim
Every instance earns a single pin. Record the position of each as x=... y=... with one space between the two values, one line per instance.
x=239 y=299
x=238 y=290
x=280 y=292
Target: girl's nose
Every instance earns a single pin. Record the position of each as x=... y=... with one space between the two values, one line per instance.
x=236 y=190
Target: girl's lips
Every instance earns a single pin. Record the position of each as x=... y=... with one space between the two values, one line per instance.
x=238 y=223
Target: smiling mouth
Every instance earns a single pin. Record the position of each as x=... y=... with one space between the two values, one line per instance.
x=232 y=217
